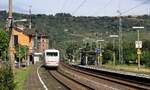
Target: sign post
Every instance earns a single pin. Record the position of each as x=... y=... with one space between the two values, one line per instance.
x=97 y=50
x=138 y=45
x=100 y=52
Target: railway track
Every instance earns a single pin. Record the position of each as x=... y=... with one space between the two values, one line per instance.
x=136 y=82
x=99 y=81
x=50 y=82
x=67 y=81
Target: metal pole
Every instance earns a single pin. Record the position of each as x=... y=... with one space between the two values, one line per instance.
x=97 y=55
x=30 y=24
x=100 y=54
x=138 y=50
x=36 y=41
x=11 y=54
x=138 y=35
x=114 y=56
x=10 y=9
x=80 y=56
x=120 y=39
x=19 y=55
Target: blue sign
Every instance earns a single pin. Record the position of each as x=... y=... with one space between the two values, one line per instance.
x=97 y=50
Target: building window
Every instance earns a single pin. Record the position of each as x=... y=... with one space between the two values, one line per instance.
x=15 y=40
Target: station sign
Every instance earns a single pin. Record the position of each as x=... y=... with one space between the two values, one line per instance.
x=138 y=44
x=97 y=50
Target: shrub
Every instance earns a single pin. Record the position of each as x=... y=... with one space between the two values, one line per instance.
x=6 y=78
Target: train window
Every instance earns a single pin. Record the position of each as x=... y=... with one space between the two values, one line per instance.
x=52 y=54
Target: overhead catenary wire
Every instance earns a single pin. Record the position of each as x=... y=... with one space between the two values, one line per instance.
x=138 y=5
x=80 y=5
x=137 y=13
x=59 y=5
x=105 y=6
x=63 y=5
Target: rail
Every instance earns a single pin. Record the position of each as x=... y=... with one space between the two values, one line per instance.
x=126 y=80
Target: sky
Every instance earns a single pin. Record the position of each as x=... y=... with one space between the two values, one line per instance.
x=80 y=7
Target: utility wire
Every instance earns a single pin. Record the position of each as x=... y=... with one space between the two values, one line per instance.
x=63 y=5
x=135 y=7
x=69 y=6
x=105 y=6
x=59 y=6
x=80 y=5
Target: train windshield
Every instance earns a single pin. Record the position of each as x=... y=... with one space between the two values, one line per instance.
x=51 y=54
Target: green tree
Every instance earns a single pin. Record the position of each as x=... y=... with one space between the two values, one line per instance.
x=3 y=44
x=21 y=52
x=145 y=56
x=107 y=56
x=129 y=52
x=71 y=51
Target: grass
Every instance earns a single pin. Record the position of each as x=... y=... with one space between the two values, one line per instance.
x=20 y=77
x=129 y=68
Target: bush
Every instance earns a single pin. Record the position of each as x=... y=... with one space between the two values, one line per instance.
x=6 y=78
x=145 y=58
x=107 y=56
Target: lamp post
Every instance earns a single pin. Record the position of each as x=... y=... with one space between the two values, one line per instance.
x=100 y=54
x=114 y=53
x=138 y=44
x=80 y=50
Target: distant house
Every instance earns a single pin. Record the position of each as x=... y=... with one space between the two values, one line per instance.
x=43 y=43
x=24 y=36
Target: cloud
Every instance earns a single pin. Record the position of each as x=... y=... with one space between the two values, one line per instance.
x=146 y=1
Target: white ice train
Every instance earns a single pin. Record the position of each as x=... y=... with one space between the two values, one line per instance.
x=51 y=58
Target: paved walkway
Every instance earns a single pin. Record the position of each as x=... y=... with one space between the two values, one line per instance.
x=33 y=82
